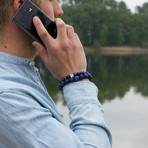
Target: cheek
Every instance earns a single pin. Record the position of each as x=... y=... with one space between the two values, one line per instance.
x=48 y=10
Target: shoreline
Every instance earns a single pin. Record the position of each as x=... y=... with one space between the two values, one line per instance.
x=116 y=50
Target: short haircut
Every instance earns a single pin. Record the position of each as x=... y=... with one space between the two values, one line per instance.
x=5 y=11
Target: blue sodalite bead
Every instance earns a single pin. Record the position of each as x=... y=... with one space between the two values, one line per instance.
x=73 y=78
x=76 y=78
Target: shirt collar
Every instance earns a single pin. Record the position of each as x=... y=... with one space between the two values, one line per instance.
x=6 y=57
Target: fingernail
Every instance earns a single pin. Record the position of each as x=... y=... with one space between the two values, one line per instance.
x=35 y=45
x=35 y=19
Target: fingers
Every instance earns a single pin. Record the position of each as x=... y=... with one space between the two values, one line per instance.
x=61 y=28
x=64 y=31
x=64 y=54
x=42 y=32
x=78 y=40
x=70 y=32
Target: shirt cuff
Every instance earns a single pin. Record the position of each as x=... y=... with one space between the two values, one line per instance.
x=82 y=92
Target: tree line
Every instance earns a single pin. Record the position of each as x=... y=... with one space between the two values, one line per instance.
x=107 y=22
x=113 y=75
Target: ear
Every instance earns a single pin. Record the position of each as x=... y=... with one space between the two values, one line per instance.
x=17 y=4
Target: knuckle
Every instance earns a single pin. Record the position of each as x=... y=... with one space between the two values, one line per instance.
x=70 y=27
x=76 y=34
x=66 y=45
x=54 y=49
x=74 y=45
x=43 y=33
x=60 y=24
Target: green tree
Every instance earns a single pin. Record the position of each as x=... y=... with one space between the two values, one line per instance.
x=107 y=22
x=142 y=10
x=79 y=2
x=101 y=24
x=112 y=4
x=137 y=32
x=83 y=22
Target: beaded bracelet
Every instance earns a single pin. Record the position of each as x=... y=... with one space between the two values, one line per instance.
x=73 y=78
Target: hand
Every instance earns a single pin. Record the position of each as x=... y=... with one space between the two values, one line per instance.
x=63 y=55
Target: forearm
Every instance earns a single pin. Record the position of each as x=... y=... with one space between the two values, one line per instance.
x=87 y=115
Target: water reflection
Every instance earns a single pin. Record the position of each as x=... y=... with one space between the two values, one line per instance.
x=123 y=85
x=127 y=120
x=114 y=76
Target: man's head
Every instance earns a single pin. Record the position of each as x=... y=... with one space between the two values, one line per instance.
x=12 y=38
x=5 y=11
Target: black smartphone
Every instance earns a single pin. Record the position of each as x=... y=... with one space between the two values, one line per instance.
x=24 y=19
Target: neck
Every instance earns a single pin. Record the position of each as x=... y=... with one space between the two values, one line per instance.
x=16 y=42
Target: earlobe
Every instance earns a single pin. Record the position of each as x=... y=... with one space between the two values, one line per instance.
x=17 y=4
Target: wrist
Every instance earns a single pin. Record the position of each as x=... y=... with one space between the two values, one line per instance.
x=83 y=80
x=79 y=76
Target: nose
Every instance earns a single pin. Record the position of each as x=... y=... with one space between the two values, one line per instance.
x=57 y=9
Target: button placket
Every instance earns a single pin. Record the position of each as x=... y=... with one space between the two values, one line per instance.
x=39 y=83
x=32 y=63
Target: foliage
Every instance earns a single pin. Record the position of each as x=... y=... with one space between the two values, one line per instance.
x=114 y=76
x=107 y=22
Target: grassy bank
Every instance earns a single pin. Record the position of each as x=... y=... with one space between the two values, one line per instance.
x=120 y=50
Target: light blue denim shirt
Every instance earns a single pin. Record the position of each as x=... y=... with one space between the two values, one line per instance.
x=29 y=118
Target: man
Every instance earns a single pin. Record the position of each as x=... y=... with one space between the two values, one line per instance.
x=28 y=116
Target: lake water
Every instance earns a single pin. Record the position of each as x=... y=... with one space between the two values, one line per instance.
x=123 y=92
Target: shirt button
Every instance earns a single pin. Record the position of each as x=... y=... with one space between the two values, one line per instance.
x=39 y=83
x=32 y=63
